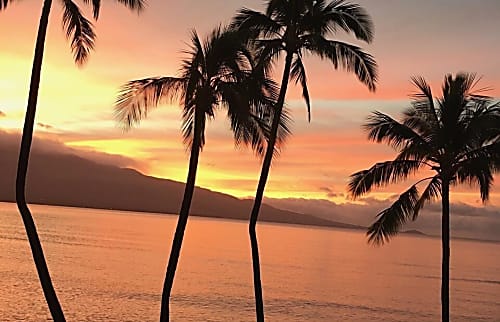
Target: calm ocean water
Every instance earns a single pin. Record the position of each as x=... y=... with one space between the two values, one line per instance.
x=109 y=266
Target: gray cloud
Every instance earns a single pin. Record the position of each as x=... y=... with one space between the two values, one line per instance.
x=466 y=221
x=45 y=126
x=330 y=193
x=465 y=210
x=10 y=141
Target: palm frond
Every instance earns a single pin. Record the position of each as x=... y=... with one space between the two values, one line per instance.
x=253 y=133
x=253 y=24
x=5 y=3
x=458 y=91
x=250 y=104
x=188 y=119
x=350 y=17
x=381 y=174
x=478 y=166
x=383 y=128
x=346 y=56
x=431 y=192
x=195 y=63
x=189 y=123
x=96 y=7
x=227 y=56
x=298 y=73
x=80 y=30
x=490 y=152
x=137 y=97
x=390 y=220
x=244 y=124
x=284 y=130
x=419 y=121
x=282 y=9
x=137 y=5
x=481 y=121
x=265 y=119
x=477 y=171
x=421 y=152
x=314 y=21
x=268 y=51
x=422 y=115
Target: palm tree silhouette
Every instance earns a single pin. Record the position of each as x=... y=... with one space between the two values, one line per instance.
x=217 y=74
x=82 y=35
x=456 y=135
x=294 y=28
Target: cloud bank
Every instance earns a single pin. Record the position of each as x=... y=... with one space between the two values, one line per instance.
x=466 y=221
x=45 y=145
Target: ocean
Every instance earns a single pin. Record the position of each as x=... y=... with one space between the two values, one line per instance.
x=110 y=265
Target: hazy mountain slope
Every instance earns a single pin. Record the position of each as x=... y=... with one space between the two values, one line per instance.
x=69 y=180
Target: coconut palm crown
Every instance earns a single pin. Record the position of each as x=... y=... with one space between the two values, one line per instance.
x=218 y=73
x=456 y=137
x=299 y=27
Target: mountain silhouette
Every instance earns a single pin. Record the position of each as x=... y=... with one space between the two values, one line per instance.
x=65 y=179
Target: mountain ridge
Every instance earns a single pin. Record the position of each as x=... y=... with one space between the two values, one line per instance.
x=75 y=181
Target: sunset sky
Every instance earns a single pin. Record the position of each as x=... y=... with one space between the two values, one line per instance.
x=427 y=38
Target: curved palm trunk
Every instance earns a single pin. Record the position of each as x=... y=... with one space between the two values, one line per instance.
x=22 y=169
x=182 y=221
x=266 y=165
x=445 y=266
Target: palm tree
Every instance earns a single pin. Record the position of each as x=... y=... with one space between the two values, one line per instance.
x=82 y=35
x=457 y=136
x=295 y=28
x=217 y=74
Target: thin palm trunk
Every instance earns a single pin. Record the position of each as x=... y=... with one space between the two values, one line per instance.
x=445 y=267
x=266 y=165
x=182 y=221
x=22 y=169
